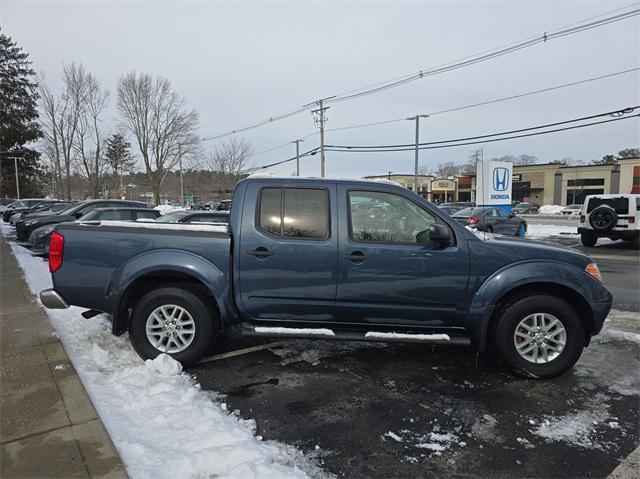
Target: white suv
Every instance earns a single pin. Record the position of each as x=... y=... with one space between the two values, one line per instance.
x=610 y=216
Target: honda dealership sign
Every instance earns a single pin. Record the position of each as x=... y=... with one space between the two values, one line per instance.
x=493 y=183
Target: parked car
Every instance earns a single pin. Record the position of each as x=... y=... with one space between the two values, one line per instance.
x=41 y=209
x=197 y=217
x=571 y=210
x=525 y=209
x=492 y=220
x=224 y=205
x=19 y=206
x=299 y=265
x=40 y=237
x=72 y=213
x=451 y=208
x=4 y=202
x=614 y=216
x=121 y=214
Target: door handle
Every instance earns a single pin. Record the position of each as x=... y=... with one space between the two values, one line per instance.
x=356 y=257
x=260 y=252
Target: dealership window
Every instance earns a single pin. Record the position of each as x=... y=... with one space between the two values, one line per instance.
x=301 y=213
x=386 y=218
x=586 y=182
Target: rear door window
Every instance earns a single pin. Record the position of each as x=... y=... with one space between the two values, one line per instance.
x=301 y=213
x=146 y=215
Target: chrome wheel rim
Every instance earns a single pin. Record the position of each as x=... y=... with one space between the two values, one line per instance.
x=540 y=338
x=170 y=328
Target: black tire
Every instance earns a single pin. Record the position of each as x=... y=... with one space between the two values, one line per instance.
x=205 y=318
x=588 y=238
x=603 y=218
x=508 y=319
x=488 y=229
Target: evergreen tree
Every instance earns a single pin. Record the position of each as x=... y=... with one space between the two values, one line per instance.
x=119 y=157
x=18 y=122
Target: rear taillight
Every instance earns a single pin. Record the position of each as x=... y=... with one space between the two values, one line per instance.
x=581 y=218
x=473 y=220
x=56 y=247
x=630 y=219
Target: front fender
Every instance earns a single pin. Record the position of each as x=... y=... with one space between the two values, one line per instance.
x=157 y=261
x=534 y=272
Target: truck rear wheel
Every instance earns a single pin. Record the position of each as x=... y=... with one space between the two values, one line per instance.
x=538 y=336
x=173 y=321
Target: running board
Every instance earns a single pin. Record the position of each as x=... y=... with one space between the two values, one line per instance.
x=370 y=336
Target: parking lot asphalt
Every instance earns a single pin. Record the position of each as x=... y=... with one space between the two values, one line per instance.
x=393 y=410
x=382 y=410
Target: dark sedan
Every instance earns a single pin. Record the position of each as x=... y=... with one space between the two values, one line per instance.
x=40 y=237
x=195 y=217
x=45 y=208
x=73 y=213
x=492 y=220
x=19 y=206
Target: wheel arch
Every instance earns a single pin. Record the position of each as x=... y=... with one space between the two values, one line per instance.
x=525 y=279
x=166 y=268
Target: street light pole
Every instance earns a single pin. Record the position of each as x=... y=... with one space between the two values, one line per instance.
x=15 y=164
x=415 y=173
x=297 y=142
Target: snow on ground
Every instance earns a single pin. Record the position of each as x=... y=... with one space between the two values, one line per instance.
x=550 y=209
x=542 y=231
x=162 y=423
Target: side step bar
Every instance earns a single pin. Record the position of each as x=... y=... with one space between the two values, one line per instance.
x=370 y=336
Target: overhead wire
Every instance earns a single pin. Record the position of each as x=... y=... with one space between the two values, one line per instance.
x=574 y=28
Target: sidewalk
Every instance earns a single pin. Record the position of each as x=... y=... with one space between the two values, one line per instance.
x=48 y=426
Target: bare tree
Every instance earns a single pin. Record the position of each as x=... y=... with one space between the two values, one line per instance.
x=90 y=138
x=228 y=161
x=520 y=160
x=469 y=168
x=61 y=120
x=447 y=169
x=423 y=170
x=158 y=119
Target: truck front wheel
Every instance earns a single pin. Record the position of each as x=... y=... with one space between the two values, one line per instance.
x=538 y=336
x=173 y=321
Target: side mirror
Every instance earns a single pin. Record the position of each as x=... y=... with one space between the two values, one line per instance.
x=436 y=233
x=78 y=215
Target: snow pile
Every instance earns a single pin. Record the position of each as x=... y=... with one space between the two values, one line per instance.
x=161 y=422
x=279 y=330
x=542 y=231
x=211 y=227
x=166 y=209
x=550 y=209
x=439 y=442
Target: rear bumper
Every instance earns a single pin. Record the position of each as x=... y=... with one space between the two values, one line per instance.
x=51 y=299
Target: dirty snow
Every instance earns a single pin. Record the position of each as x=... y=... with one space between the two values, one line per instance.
x=161 y=422
x=393 y=436
x=419 y=337
x=540 y=231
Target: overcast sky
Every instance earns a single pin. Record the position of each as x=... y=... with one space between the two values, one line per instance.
x=240 y=62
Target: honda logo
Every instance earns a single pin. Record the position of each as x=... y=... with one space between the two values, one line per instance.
x=500 y=179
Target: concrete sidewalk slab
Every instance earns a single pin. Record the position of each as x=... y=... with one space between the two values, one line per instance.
x=48 y=425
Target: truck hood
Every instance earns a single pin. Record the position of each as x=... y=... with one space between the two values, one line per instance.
x=516 y=249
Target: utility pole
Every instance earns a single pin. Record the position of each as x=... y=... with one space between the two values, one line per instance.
x=297 y=142
x=415 y=177
x=181 y=180
x=320 y=120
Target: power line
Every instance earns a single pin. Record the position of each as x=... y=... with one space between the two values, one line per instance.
x=574 y=28
x=436 y=146
x=620 y=112
x=480 y=138
x=489 y=102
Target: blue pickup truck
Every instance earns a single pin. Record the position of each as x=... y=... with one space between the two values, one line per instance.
x=331 y=259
